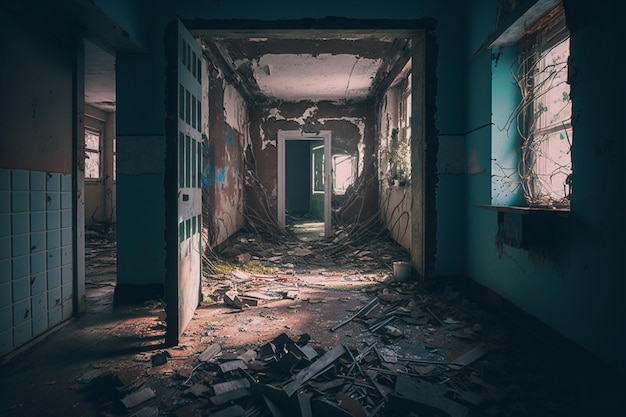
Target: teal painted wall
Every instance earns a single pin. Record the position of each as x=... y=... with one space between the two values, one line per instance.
x=140 y=94
x=576 y=287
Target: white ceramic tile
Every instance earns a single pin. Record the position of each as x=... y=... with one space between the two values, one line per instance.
x=37 y=181
x=6 y=342
x=40 y=324
x=19 y=202
x=20 y=180
x=21 y=311
x=66 y=255
x=6 y=293
x=20 y=223
x=37 y=242
x=54 y=279
x=21 y=289
x=67 y=311
x=53 y=200
x=20 y=245
x=5 y=201
x=55 y=316
x=5 y=271
x=66 y=218
x=37 y=201
x=53 y=181
x=37 y=262
x=54 y=258
x=20 y=266
x=66 y=183
x=5 y=247
x=39 y=304
x=66 y=201
x=6 y=318
x=53 y=220
x=22 y=333
x=37 y=222
x=53 y=239
x=5 y=179
x=66 y=237
x=66 y=274
x=54 y=298
x=39 y=284
x=5 y=225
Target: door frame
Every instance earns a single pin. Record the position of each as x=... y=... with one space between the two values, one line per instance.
x=285 y=135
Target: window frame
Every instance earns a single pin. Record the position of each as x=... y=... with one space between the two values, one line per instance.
x=98 y=132
x=547 y=34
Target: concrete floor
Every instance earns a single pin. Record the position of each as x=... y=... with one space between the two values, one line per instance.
x=520 y=375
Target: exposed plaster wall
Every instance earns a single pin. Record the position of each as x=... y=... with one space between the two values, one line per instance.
x=350 y=134
x=395 y=201
x=223 y=174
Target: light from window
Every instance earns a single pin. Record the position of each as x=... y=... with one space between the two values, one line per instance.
x=343 y=173
x=317 y=155
x=546 y=164
x=92 y=154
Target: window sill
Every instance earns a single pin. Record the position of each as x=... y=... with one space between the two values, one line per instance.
x=533 y=211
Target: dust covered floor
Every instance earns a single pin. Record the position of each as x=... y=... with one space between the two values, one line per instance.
x=299 y=328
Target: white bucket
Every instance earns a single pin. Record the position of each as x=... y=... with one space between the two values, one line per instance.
x=401 y=271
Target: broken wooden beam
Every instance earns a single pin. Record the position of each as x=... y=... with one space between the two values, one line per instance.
x=361 y=311
x=312 y=370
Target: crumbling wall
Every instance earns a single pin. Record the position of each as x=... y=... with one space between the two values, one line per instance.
x=222 y=176
x=351 y=134
x=395 y=197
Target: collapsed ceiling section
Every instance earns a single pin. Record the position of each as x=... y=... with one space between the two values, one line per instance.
x=313 y=69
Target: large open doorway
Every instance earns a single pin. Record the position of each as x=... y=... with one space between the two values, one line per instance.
x=304 y=186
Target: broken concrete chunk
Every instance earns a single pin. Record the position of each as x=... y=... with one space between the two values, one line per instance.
x=159 y=359
x=90 y=376
x=314 y=369
x=229 y=396
x=138 y=397
x=248 y=356
x=224 y=387
x=209 y=353
x=232 y=365
x=231 y=298
x=196 y=390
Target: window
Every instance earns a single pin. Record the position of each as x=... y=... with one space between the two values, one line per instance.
x=92 y=154
x=545 y=114
x=343 y=172
x=317 y=155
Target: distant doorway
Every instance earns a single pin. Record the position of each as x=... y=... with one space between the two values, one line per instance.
x=304 y=186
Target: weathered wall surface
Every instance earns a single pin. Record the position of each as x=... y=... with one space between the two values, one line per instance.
x=573 y=282
x=223 y=175
x=350 y=134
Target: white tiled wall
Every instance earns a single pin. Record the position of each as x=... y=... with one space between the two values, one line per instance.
x=36 y=285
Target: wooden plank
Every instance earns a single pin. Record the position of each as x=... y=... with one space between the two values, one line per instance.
x=230 y=396
x=224 y=387
x=232 y=365
x=138 y=397
x=316 y=367
x=209 y=353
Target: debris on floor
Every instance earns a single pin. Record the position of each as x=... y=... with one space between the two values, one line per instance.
x=304 y=329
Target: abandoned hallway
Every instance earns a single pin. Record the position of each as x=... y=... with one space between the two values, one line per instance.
x=206 y=208
x=112 y=361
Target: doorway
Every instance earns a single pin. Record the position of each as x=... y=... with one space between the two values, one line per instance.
x=304 y=186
